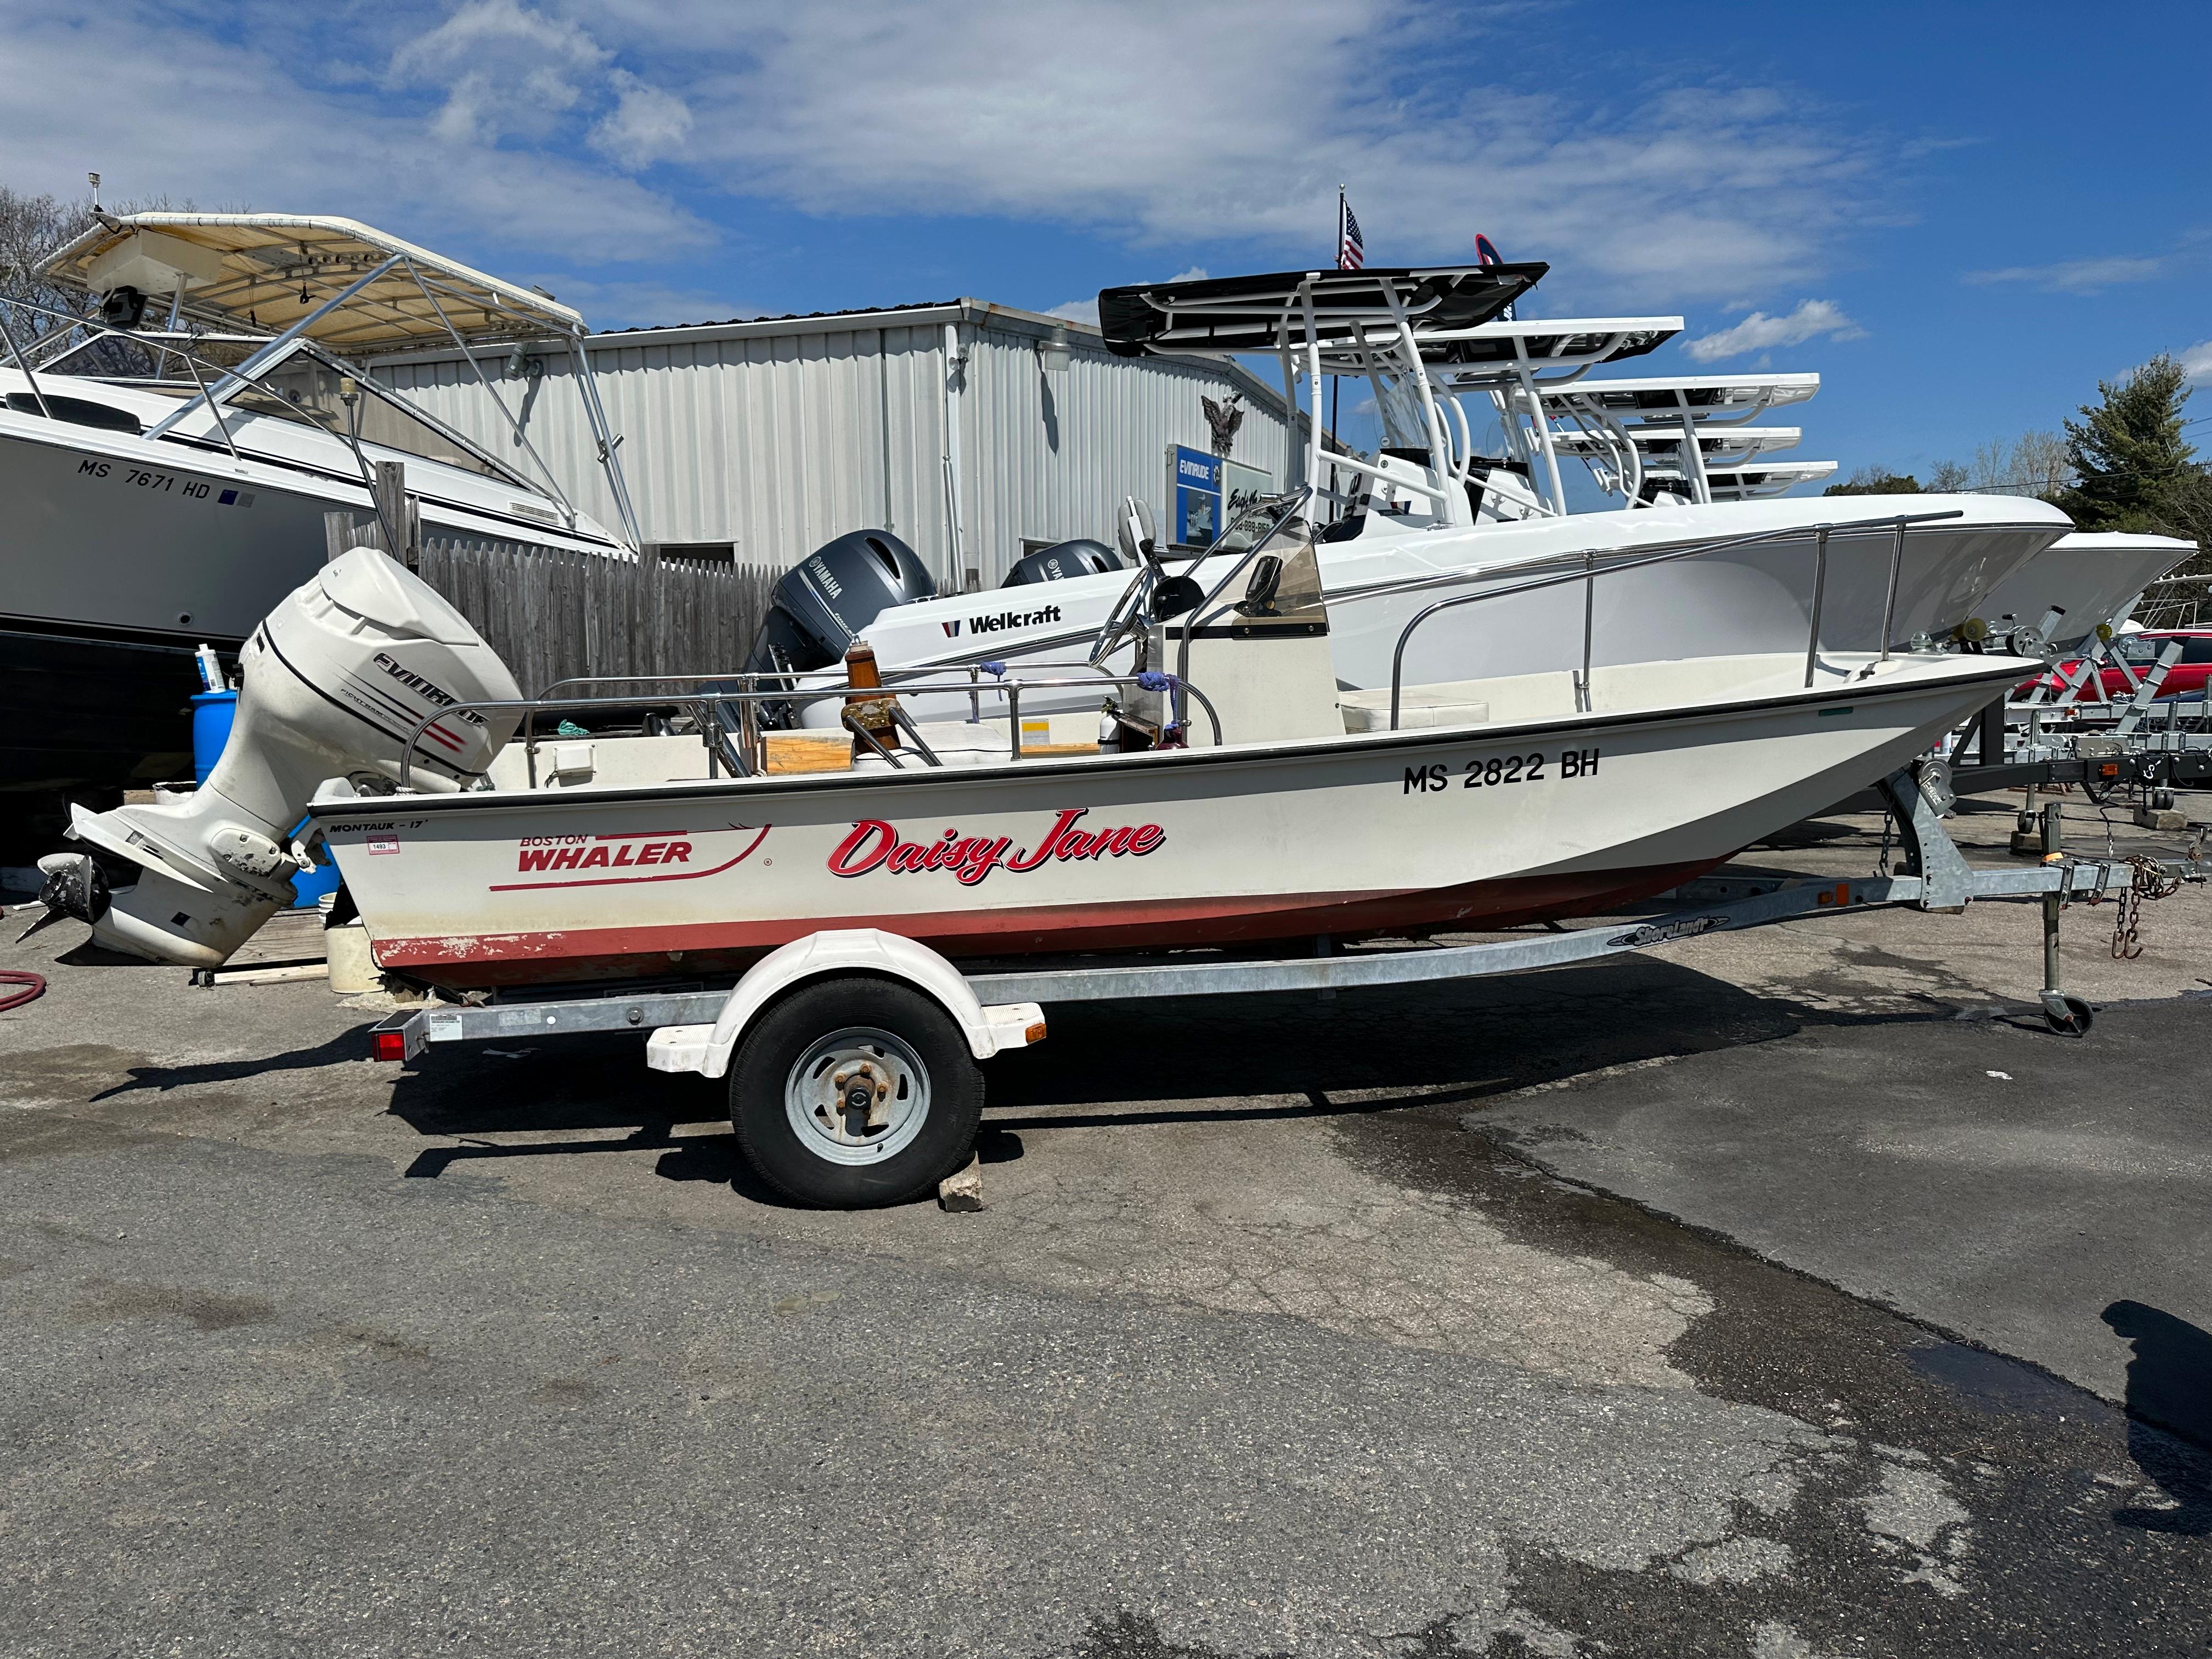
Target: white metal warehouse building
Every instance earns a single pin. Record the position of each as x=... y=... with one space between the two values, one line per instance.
x=973 y=431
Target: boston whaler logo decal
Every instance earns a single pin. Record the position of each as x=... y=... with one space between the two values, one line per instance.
x=876 y=845
x=638 y=854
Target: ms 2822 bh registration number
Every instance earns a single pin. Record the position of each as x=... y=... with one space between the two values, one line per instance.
x=1498 y=770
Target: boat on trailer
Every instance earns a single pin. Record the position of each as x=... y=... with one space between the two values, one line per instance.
x=551 y=882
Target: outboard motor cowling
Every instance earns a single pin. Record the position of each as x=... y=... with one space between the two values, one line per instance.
x=819 y=607
x=334 y=682
x=1079 y=558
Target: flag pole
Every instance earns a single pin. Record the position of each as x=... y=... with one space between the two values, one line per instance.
x=1335 y=382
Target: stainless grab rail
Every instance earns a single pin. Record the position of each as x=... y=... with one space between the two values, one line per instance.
x=750 y=765
x=1589 y=574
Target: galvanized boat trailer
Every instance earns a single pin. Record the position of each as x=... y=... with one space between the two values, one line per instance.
x=708 y=1029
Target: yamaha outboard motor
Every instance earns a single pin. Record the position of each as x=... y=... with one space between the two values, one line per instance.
x=1080 y=557
x=823 y=602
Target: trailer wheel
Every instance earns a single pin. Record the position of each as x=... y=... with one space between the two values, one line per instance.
x=853 y=1092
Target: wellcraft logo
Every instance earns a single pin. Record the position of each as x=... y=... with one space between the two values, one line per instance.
x=1003 y=620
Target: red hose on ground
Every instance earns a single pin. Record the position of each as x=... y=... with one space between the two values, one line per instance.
x=30 y=988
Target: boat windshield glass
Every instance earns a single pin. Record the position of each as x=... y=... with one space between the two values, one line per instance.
x=310 y=388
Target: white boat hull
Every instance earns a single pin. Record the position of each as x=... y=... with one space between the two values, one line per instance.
x=2094 y=577
x=1380 y=833
x=1747 y=600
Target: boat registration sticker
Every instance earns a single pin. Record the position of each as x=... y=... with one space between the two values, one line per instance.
x=384 y=843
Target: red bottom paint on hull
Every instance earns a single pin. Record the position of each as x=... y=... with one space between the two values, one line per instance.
x=470 y=961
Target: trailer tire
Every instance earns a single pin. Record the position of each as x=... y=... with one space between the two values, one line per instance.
x=819 y=1140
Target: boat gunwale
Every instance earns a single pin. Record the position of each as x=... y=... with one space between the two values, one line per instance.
x=336 y=814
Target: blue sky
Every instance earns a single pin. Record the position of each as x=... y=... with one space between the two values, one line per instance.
x=1960 y=215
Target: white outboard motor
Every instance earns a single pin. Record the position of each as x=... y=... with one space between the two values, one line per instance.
x=335 y=680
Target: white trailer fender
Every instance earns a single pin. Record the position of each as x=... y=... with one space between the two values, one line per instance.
x=708 y=1048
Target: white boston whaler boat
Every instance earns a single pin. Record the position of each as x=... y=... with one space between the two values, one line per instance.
x=1297 y=809
x=602 y=884
x=1429 y=515
x=148 y=515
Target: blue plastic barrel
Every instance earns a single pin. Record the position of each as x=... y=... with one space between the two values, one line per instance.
x=212 y=714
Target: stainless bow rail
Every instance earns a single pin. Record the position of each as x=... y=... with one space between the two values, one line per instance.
x=1591 y=571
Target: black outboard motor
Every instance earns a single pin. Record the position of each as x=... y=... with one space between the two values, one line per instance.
x=823 y=602
x=1080 y=557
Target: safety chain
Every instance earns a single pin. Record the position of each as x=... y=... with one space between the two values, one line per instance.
x=2151 y=882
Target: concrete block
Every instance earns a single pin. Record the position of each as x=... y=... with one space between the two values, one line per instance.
x=962 y=1191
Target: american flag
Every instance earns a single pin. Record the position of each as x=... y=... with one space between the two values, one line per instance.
x=1351 y=251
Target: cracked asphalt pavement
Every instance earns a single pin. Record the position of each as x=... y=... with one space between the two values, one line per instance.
x=1567 y=1315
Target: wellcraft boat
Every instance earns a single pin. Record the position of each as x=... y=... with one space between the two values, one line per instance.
x=1429 y=515
x=151 y=513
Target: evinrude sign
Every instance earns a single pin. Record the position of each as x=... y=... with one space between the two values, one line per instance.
x=1205 y=492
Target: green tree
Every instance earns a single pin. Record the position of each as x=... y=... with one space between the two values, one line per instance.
x=1874 y=481
x=2133 y=469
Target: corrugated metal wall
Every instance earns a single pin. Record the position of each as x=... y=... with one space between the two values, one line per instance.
x=779 y=440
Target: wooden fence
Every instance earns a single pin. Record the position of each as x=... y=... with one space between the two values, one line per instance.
x=556 y=613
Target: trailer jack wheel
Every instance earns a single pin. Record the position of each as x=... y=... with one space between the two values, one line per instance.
x=853 y=1092
x=2068 y=1016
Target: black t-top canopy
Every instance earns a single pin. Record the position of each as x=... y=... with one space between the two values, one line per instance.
x=1267 y=313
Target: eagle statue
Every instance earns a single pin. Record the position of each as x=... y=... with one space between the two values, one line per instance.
x=1224 y=417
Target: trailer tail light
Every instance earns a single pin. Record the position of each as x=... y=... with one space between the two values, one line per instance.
x=388 y=1045
x=1034 y=1033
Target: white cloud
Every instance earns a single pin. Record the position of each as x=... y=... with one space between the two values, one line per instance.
x=1194 y=274
x=645 y=125
x=891 y=108
x=1078 y=311
x=254 y=134
x=2196 y=361
x=2078 y=276
x=1760 y=332
x=505 y=70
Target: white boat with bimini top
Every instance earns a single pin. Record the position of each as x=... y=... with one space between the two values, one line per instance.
x=1430 y=514
x=153 y=512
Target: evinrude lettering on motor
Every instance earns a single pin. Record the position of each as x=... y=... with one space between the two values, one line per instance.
x=428 y=689
x=1003 y=620
x=876 y=845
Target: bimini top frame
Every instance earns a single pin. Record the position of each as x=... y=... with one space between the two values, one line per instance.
x=1756 y=482
x=1620 y=425
x=1420 y=335
x=351 y=290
